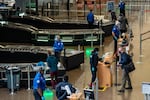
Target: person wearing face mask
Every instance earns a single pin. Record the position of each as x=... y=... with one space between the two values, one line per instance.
x=39 y=85
x=93 y=64
x=121 y=5
x=90 y=19
x=124 y=60
x=116 y=34
x=123 y=23
x=64 y=89
x=52 y=64
x=58 y=47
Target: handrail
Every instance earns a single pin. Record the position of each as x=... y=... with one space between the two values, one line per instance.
x=141 y=40
x=145 y=32
x=146 y=39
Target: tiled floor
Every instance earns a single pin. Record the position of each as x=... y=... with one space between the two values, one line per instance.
x=81 y=77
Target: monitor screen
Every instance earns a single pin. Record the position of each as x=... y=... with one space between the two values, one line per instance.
x=89 y=94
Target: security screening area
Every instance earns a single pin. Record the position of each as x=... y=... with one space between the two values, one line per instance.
x=74 y=50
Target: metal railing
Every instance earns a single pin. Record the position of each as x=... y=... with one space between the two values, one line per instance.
x=143 y=39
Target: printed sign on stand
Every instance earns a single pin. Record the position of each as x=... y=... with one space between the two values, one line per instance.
x=146 y=87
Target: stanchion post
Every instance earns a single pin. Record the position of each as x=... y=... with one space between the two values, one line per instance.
x=140 y=27
x=101 y=39
x=146 y=97
x=100 y=25
x=96 y=98
x=91 y=40
x=79 y=47
x=28 y=77
x=117 y=72
x=12 y=81
x=140 y=44
x=116 y=68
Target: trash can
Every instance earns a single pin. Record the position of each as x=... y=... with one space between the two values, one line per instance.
x=13 y=82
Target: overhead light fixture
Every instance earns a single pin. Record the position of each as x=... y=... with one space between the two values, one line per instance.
x=41 y=40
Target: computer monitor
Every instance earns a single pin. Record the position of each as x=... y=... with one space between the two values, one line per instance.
x=89 y=94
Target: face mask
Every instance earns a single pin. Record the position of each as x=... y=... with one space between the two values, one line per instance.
x=118 y=26
x=96 y=52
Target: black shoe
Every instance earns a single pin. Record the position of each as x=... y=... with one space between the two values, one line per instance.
x=129 y=88
x=121 y=91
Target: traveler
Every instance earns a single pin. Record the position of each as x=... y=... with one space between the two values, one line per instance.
x=113 y=16
x=52 y=64
x=123 y=23
x=125 y=59
x=64 y=89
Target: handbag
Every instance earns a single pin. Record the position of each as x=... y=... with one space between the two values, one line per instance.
x=129 y=67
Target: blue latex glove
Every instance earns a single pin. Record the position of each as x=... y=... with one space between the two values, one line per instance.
x=93 y=69
x=43 y=98
x=116 y=38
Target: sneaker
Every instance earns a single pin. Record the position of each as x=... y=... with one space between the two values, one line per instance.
x=59 y=65
x=121 y=91
x=129 y=88
x=90 y=86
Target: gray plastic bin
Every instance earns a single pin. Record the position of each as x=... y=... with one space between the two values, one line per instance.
x=16 y=78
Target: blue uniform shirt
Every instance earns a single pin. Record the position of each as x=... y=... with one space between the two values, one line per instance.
x=90 y=17
x=58 y=46
x=39 y=81
x=116 y=31
x=122 y=5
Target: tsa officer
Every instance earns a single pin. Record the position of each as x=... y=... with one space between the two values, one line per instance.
x=39 y=85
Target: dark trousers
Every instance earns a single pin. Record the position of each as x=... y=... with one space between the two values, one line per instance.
x=53 y=76
x=123 y=30
x=122 y=11
x=93 y=76
x=115 y=46
x=90 y=25
x=57 y=55
x=36 y=95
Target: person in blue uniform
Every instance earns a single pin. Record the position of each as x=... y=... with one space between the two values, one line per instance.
x=122 y=7
x=90 y=19
x=64 y=89
x=116 y=34
x=58 y=47
x=93 y=64
x=39 y=85
x=52 y=64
